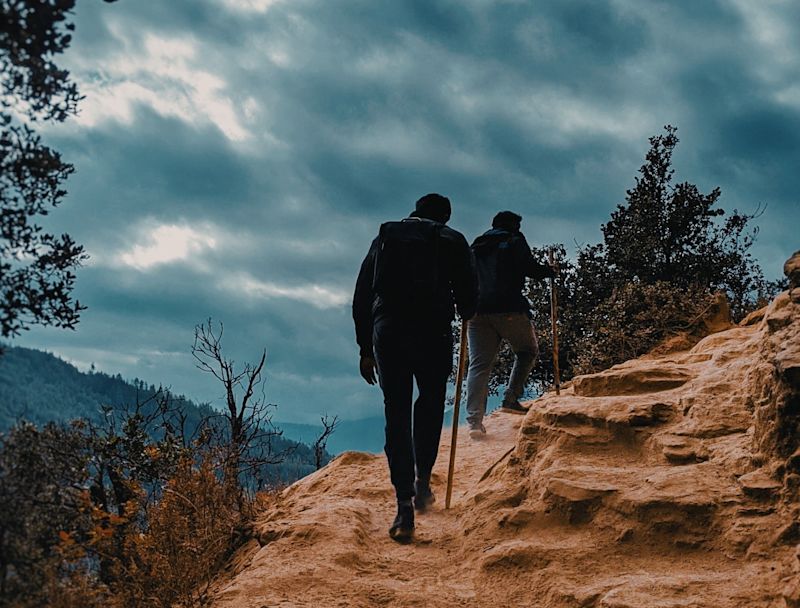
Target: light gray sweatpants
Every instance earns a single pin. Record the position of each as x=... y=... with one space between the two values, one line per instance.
x=485 y=333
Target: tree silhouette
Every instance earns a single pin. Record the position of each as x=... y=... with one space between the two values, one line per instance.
x=667 y=232
x=36 y=268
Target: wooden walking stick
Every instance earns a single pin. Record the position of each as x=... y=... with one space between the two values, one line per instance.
x=462 y=357
x=554 y=327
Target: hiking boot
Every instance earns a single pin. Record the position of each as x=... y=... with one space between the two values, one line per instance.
x=424 y=497
x=477 y=431
x=513 y=407
x=402 y=529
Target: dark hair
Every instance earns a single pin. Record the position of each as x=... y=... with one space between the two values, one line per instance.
x=433 y=207
x=507 y=220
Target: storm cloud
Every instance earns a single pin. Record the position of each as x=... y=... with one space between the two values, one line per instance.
x=235 y=157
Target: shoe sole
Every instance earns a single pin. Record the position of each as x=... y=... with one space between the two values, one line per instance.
x=508 y=411
x=401 y=535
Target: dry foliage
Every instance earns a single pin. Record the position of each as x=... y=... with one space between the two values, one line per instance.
x=189 y=535
x=159 y=553
x=636 y=318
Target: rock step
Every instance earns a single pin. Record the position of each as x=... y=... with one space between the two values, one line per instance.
x=607 y=413
x=627 y=379
x=677 y=505
x=556 y=566
x=705 y=586
x=681 y=450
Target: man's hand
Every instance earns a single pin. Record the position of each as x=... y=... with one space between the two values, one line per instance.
x=367 y=367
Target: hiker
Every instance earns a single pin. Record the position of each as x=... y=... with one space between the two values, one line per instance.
x=503 y=260
x=415 y=271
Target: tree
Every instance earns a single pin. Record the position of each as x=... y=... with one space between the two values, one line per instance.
x=36 y=267
x=43 y=473
x=668 y=233
x=246 y=433
x=328 y=427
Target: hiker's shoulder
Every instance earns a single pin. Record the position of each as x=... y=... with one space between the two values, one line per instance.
x=453 y=236
x=492 y=238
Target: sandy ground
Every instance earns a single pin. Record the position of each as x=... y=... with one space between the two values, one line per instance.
x=367 y=568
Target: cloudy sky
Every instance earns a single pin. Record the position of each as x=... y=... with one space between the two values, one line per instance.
x=235 y=157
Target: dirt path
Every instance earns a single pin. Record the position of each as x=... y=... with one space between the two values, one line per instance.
x=345 y=511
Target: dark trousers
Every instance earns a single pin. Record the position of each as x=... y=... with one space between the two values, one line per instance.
x=406 y=352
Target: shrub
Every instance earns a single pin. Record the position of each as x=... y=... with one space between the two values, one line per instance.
x=636 y=318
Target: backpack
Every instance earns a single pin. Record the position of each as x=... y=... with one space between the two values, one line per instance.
x=495 y=259
x=496 y=268
x=407 y=265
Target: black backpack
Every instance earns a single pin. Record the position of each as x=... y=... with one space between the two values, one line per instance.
x=407 y=265
x=494 y=262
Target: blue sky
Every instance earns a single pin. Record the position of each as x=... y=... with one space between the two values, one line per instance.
x=235 y=157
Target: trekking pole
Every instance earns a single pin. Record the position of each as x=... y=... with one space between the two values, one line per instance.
x=554 y=327
x=462 y=357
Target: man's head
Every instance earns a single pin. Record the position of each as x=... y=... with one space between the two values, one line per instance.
x=433 y=207
x=507 y=220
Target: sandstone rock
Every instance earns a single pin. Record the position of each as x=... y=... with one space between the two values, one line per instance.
x=718 y=317
x=791 y=268
x=754 y=317
x=793 y=462
x=515 y=554
x=626 y=380
x=578 y=491
x=634 y=488
x=759 y=484
x=602 y=412
x=787 y=361
x=789 y=534
x=791 y=593
x=682 y=450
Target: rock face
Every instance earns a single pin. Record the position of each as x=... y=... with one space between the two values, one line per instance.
x=666 y=482
x=792 y=269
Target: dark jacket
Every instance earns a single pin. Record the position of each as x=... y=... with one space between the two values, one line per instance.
x=458 y=288
x=503 y=260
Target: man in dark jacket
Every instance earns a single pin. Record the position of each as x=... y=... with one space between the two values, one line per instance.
x=414 y=273
x=503 y=260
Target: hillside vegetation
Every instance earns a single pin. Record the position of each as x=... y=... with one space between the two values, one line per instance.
x=118 y=494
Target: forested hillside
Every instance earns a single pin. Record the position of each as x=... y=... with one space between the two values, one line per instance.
x=39 y=387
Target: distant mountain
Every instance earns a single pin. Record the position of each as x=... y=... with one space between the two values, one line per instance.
x=40 y=387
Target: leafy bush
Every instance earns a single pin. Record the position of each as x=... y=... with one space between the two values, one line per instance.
x=43 y=475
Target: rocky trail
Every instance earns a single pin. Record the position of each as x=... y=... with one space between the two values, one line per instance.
x=340 y=516
x=668 y=481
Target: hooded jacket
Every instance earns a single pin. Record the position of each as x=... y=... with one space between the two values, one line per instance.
x=503 y=260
